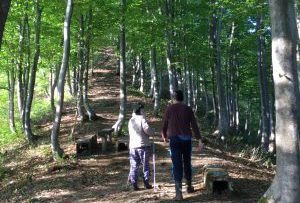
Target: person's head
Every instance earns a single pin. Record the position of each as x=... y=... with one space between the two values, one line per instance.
x=138 y=108
x=178 y=95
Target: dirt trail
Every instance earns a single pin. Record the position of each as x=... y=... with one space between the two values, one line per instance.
x=103 y=178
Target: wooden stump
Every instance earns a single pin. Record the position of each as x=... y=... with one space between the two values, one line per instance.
x=86 y=145
x=216 y=179
x=106 y=136
x=106 y=132
x=122 y=144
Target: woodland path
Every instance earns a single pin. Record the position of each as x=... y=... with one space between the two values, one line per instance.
x=33 y=177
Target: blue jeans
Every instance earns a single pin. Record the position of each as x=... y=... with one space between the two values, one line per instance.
x=181 y=152
x=139 y=156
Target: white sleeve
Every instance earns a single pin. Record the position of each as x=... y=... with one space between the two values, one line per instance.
x=147 y=128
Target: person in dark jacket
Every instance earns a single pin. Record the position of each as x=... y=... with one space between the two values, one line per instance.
x=177 y=123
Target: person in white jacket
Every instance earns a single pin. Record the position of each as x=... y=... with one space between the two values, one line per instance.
x=139 y=146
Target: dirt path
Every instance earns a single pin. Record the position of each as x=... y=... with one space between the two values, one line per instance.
x=33 y=177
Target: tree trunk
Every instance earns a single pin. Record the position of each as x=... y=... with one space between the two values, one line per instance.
x=80 y=72
x=5 y=5
x=272 y=144
x=142 y=74
x=263 y=85
x=27 y=68
x=170 y=47
x=55 y=147
x=123 y=98
x=74 y=80
x=11 y=93
x=27 y=129
x=20 y=87
x=91 y=114
x=134 y=71
x=53 y=84
x=223 y=122
x=155 y=81
x=213 y=31
x=286 y=184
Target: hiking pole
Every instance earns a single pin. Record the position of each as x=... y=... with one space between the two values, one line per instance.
x=153 y=160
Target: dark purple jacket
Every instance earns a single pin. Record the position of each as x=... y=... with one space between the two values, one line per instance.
x=178 y=120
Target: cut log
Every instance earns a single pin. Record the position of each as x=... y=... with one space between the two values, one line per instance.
x=216 y=179
x=122 y=144
x=106 y=136
x=107 y=133
x=86 y=145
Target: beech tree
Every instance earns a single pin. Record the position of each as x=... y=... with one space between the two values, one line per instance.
x=286 y=184
x=55 y=146
x=123 y=96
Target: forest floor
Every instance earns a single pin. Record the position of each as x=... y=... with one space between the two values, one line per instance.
x=32 y=176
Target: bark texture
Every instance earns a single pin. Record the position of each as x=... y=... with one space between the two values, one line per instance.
x=285 y=187
x=55 y=147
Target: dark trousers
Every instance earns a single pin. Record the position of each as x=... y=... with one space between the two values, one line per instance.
x=181 y=152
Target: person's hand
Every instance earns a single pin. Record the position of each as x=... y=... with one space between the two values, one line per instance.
x=166 y=140
x=200 y=146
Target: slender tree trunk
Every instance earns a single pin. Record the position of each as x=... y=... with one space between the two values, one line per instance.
x=213 y=31
x=123 y=96
x=69 y=83
x=155 y=81
x=4 y=9
x=170 y=47
x=142 y=75
x=55 y=147
x=27 y=129
x=286 y=184
x=91 y=114
x=54 y=74
x=27 y=68
x=80 y=72
x=203 y=79
x=74 y=80
x=230 y=79
x=223 y=122
x=237 y=109
x=263 y=85
x=11 y=93
x=247 y=120
x=272 y=145
x=20 y=85
x=134 y=71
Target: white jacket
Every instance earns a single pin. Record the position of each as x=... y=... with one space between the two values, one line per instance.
x=139 y=132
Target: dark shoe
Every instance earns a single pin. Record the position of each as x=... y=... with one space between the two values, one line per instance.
x=190 y=188
x=134 y=186
x=178 y=190
x=147 y=185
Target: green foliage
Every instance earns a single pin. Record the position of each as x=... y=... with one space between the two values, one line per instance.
x=135 y=92
x=6 y=137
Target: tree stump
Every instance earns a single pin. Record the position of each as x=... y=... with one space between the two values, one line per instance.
x=106 y=132
x=106 y=136
x=122 y=144
x=86 y=145
x=216 y=179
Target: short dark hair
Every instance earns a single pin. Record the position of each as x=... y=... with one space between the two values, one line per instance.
x=137 y=108
x=178 y=95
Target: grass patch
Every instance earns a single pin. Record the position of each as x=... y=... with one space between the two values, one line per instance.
x=135 y=92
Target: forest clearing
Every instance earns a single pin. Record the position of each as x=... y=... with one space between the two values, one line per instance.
x=91 y=89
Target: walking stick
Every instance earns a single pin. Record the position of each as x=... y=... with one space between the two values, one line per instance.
x=153 y=160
